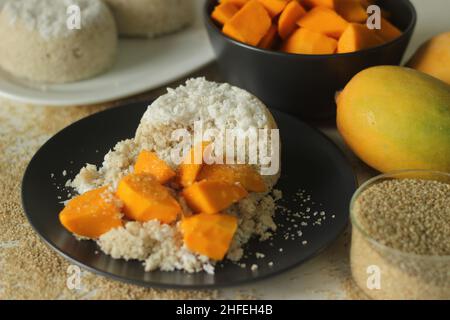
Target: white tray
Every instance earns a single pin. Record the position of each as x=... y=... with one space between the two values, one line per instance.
x=141 y=65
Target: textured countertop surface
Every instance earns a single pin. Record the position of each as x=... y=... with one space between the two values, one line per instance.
x=28 y=269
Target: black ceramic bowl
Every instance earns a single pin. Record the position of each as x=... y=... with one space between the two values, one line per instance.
x=304 y=85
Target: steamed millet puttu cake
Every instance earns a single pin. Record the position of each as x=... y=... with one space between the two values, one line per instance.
x=166 y=246
x=38 y=45
x=151 y=18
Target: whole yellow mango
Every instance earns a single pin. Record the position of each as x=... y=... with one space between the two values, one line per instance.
x=433 y=57
x=396 y=118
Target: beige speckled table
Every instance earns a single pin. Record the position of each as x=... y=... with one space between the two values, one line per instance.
x=28 y=269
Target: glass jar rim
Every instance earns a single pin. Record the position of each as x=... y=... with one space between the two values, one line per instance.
x=375 y=242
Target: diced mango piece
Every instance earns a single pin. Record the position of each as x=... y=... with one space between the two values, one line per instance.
x=351 y=10
x=287 y=22
x=388 y=31
x=274 y=7
x=244 y=174
x=92 y=213
x=192 y=164
x=250 y=24
x=149 y=162
x=357 y=37
x=209 y=196
x=268 y=40
x=224 y=12
x=209 y=234
x=324 y=20
x=145 y=199
x=304 y=41
x=237 y=3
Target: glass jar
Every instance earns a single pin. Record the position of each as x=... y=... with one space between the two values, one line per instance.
x=386 y=273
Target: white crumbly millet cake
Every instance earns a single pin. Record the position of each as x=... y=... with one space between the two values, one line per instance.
x=219 y=106
x=150 y=18
x=37 y=44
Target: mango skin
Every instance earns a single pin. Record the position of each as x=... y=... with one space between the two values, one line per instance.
x=433 y=57
x=396 y=118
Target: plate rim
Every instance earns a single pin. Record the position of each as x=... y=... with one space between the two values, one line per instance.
x=64 y=103
x=152 y=284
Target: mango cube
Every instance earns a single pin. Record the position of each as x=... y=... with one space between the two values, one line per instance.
x=209 y=234
x=209 y=196
x=249 y=24
x=244 y=174
x=92 y=213
x=192 y=164
x=358 y=37
x=149 y=162
x=325 y=21
x=144 y=199
x=304 y=41
x=224 y=12
x=388 y=31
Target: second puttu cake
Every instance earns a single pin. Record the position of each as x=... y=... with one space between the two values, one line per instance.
x=37 y=43
x=150 y=18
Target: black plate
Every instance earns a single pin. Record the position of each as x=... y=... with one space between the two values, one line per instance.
x=309 y=161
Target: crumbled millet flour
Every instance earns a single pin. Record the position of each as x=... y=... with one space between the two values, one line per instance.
x=49 y=17
x=255 y=218
x=260 y=255
x=255 y=214
x=29 y=269
x=160 y=246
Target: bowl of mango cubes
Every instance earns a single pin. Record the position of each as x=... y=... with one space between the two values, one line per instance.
x=296 y=54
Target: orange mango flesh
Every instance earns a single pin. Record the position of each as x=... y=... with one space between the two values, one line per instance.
x=304 y=41
x=238 y=173
x=269 y=39
x=358 y=37
x=91 y=214
x=250 y=24
x=388 y=31
x=327 y=17
x=274 y=7
x=335 y=4
x=325 y=21
x=145 y=199
x=224 y=12
x=351 y=10
x=209 y=196
x=289 y=17
x=209 y=234
x=150 y=163
x=192 y=164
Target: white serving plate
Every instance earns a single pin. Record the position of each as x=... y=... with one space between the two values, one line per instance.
x=141 y=65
